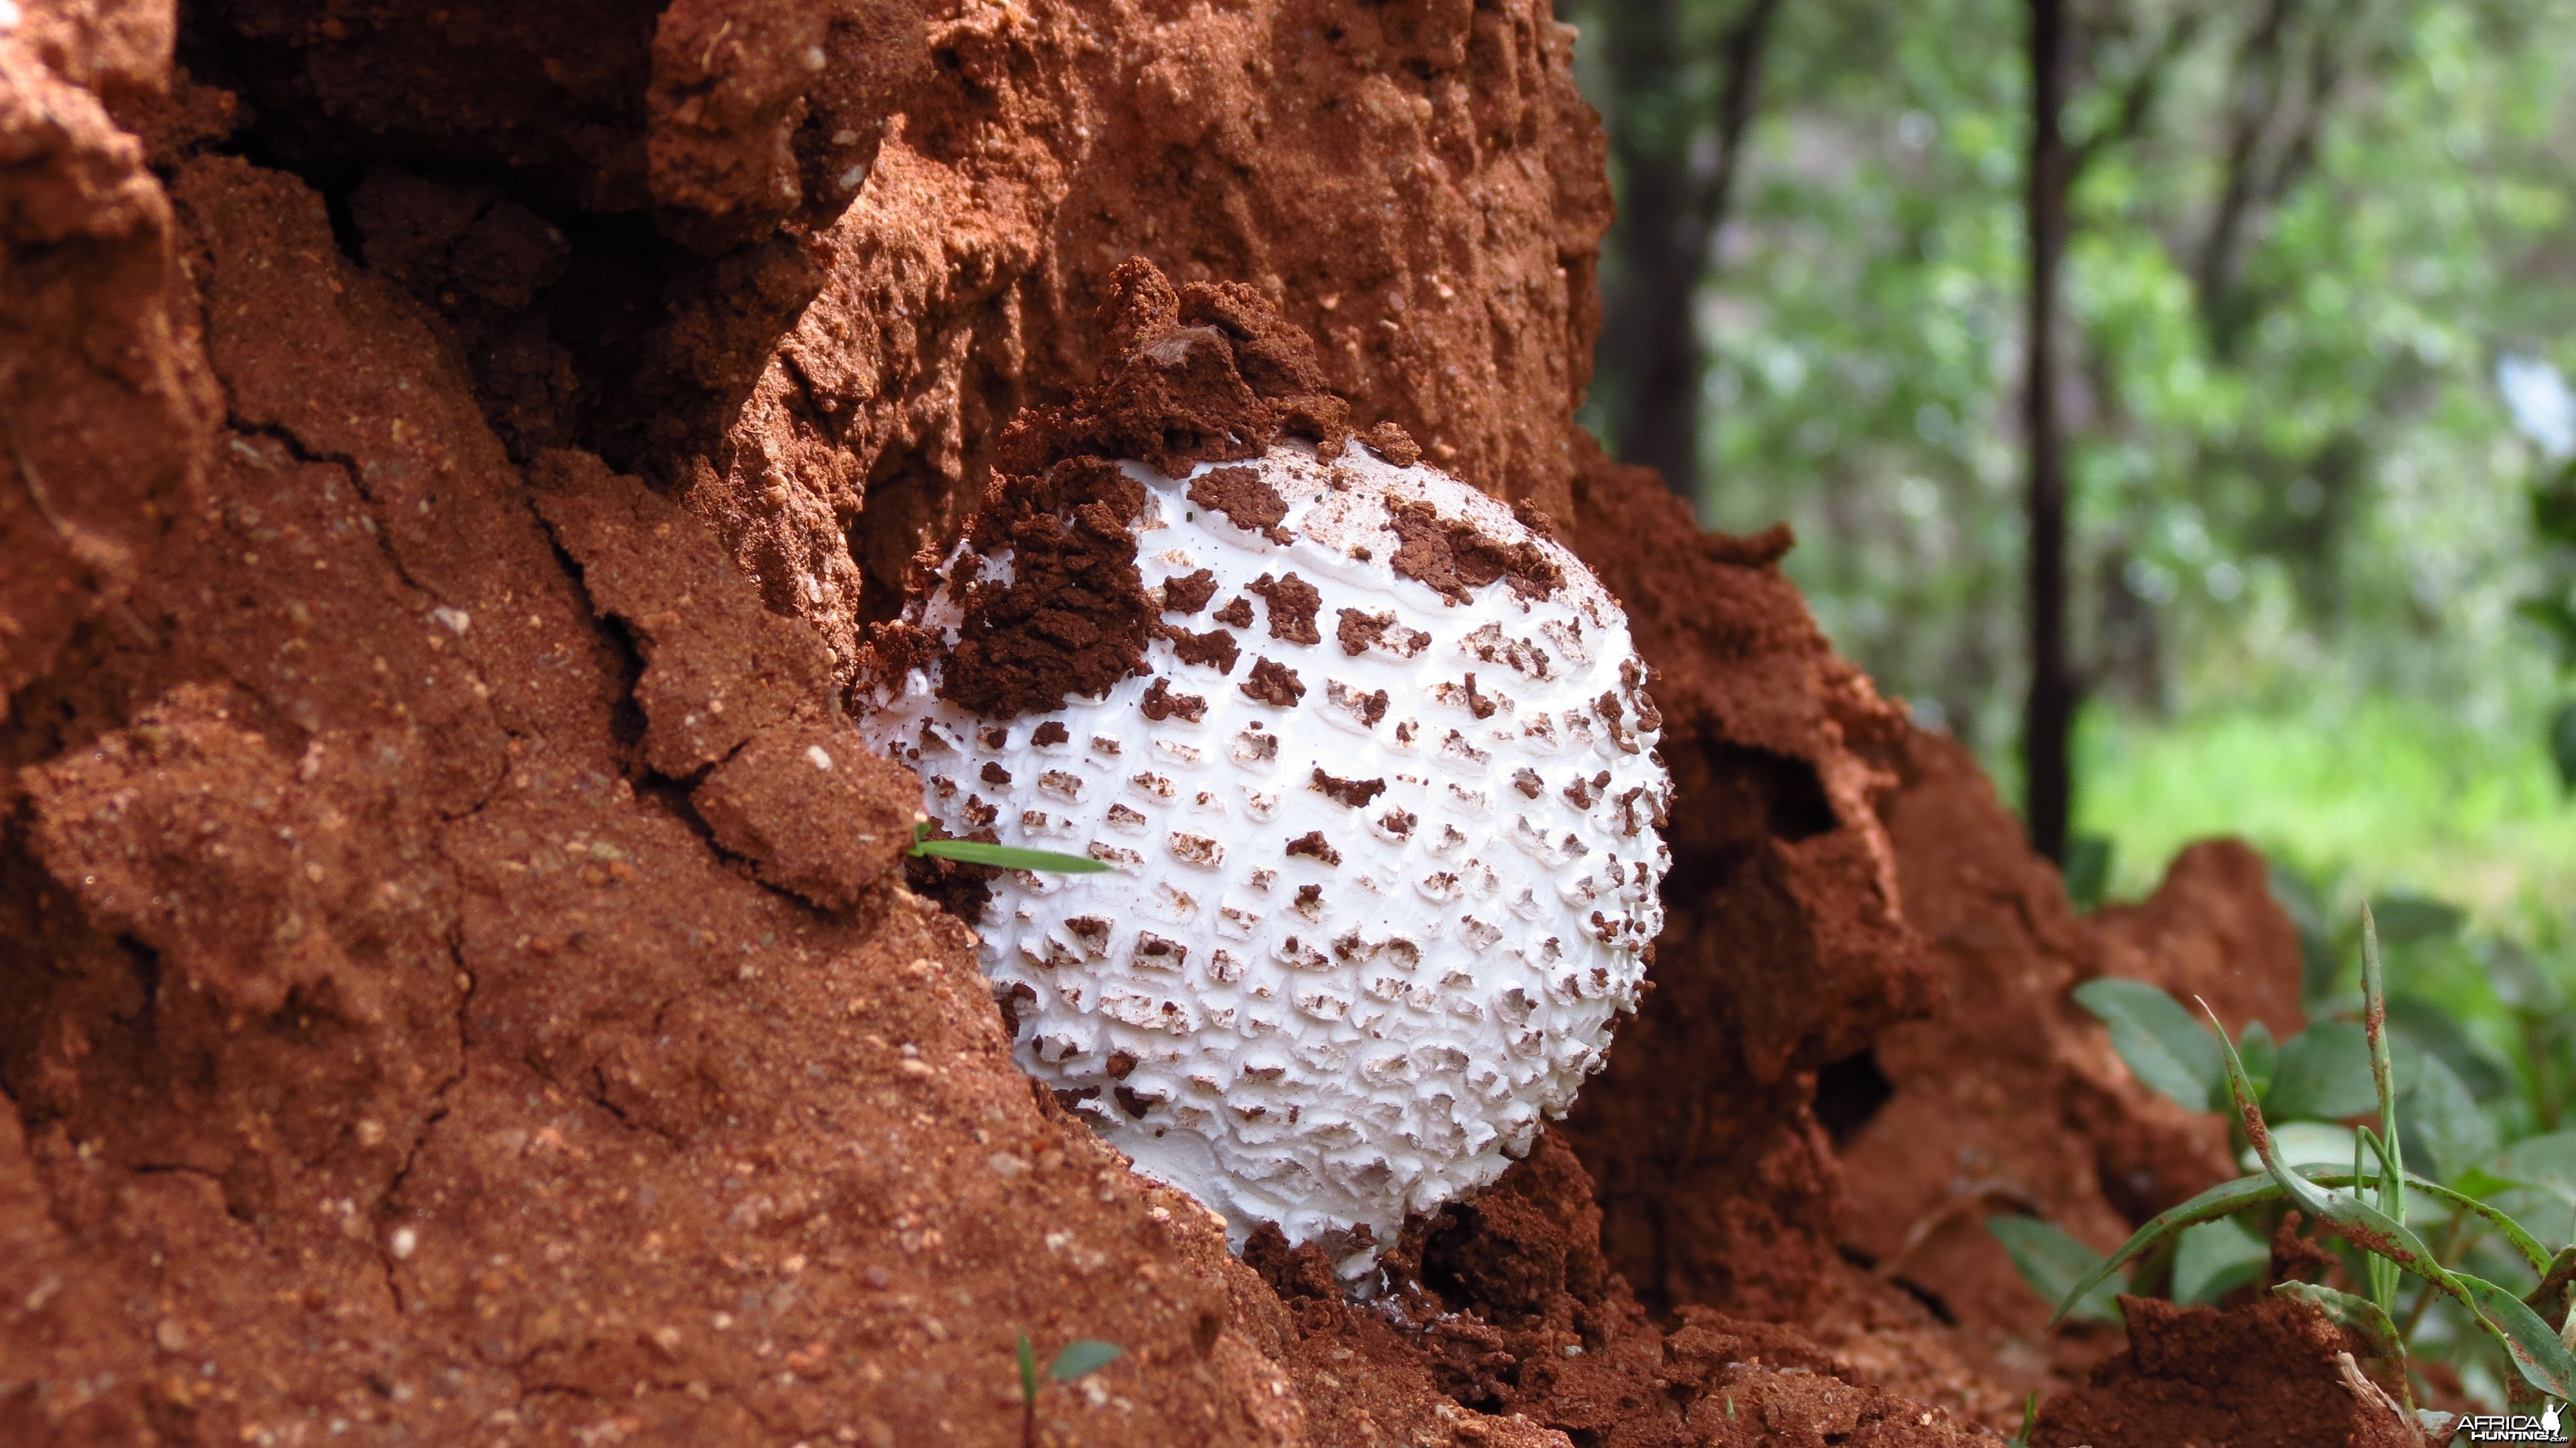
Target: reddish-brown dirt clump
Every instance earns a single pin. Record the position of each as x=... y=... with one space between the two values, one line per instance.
x=2270 y=1375
x=455 y=985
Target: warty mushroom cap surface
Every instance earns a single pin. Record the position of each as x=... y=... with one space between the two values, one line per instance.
x=1385 y=854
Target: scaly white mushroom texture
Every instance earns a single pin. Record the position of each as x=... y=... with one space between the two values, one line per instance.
x=1356 y=942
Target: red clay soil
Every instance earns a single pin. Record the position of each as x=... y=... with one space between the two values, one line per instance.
x=2050 y=1123
x=454 y=981
x=2261 y=1376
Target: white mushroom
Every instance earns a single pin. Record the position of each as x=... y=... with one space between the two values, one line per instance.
x=1386 y=856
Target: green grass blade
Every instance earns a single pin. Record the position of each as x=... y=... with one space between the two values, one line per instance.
x=2249 y=1111
x=2514 y=1232
x=2229 y=1198
x=1028 y=1371
x=2366 y=1145
x=2360 y=1314
x=2552 y=1298
x=1089 y=1355
x=2383 y=1072
x=2383 y=1079
x=1008 y=857
x=2223 y=1200
x=2537 y=1352
x=2374 y=1025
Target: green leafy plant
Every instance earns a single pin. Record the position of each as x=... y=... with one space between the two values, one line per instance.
x=1000 y=857
x=1075 y=1360
x=2475 y=1194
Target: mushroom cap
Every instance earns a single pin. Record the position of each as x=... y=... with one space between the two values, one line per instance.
x=1384 y=856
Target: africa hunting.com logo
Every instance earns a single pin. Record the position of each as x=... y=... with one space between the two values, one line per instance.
x=2511 y=1427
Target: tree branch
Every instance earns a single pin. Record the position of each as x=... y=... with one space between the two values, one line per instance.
x=2258 y=94
x=1742 y=52
x=2138 y=98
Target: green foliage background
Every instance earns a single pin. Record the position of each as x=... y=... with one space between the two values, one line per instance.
x=2300 y=502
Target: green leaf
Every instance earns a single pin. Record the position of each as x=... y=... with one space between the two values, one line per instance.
x=2520 y=983
x=2553 y=511
x=2557 y=1283
x=2324 y=1075
x=1089 y=1355
x=2542 y=1174
x=2088 y=870
x=2481 y=1183
x=2446 y=1132
x=2054 y=1264
x=1028 y=1371
x=2357 y=1313
x=1008 y=857
x=2322 y=1144
x=2214 y=1259
x=2159 y=1040
x=2413 y=919
x=2262 y=1056
x=2223 y=1200
x=2538 y=1354
x=2298 y=898
x=2428 y=1028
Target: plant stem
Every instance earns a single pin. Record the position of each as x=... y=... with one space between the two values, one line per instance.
x=2445 y=1254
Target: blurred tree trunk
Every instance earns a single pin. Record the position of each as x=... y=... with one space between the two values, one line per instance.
x=2056 y=686
x=1677 y=162
x=2048 y=718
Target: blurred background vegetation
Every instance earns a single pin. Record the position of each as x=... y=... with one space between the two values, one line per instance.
x=2319 y=278
x=2315 y=304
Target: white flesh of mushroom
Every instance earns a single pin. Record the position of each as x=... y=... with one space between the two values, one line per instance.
x=1332 y=1038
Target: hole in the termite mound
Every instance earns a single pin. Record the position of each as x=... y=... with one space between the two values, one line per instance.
x=1796 y=805
x=1849 y=1093
x=1931 y=1301
x=145 y=963
x=1726 y=788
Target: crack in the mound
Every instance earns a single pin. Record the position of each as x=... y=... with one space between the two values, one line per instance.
x=355 y=473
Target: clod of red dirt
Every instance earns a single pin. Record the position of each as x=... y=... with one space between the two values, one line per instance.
x=105 y=407
x=1786 y=949
x=718 y=668
x=814 y=810
x=1508 y=1305
x=1204 y=373
x=435 y=549
x=2260 y=1376
x=2213 y=931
